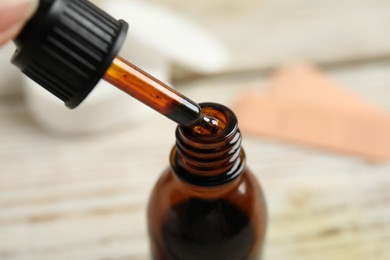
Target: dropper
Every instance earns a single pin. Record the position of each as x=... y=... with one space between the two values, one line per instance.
x=69 y=45
x=152 y=92
x=157 y=95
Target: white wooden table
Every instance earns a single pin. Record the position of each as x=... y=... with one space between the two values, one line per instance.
x=84 y=197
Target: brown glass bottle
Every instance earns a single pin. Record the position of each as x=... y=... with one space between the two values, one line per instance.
x=207 y=204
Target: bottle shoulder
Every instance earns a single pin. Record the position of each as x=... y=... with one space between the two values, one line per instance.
x=241 y=189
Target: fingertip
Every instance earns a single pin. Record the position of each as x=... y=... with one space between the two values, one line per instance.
x=14 y=14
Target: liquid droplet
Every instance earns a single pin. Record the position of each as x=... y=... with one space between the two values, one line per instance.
x=207 y=125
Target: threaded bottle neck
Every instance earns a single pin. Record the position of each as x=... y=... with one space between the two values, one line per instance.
x=209 y=159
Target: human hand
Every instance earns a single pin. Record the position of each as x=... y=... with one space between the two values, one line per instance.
x=13 y=15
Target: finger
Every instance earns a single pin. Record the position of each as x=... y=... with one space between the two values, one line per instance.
x=13 y=15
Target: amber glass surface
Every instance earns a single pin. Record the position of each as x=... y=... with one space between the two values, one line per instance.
x=207 y=204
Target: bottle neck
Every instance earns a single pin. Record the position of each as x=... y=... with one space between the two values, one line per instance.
x=212 y=159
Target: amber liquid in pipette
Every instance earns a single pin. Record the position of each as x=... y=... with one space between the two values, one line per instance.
x=159 y=96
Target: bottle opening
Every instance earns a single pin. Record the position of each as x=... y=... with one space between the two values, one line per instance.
x=217 y=122
x=212 y=122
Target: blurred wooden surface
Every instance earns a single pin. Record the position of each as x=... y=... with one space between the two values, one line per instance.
x=263 y=33
x=84 y=197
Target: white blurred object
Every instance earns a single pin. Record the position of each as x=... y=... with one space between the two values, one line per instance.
x=108 y=107
x=170 y=34
x=10 y=75
x=156 y=37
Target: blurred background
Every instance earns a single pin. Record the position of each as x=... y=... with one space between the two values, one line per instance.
x=75 y=184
